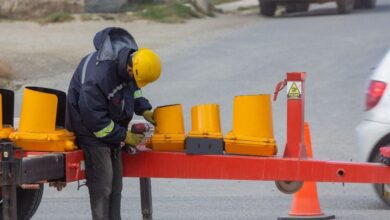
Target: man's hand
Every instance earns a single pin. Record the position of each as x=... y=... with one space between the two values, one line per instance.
x=129 y=149
x=149 y=116
x=133 y=139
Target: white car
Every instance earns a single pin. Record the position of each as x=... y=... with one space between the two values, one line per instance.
x=373 y=131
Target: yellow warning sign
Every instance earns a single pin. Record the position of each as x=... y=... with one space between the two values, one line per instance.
x=294 y=92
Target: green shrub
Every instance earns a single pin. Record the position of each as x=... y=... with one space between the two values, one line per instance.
x=217 y=2
x=57 y=17
x=172 y=12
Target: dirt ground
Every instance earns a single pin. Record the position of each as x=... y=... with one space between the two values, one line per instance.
x=30 y=51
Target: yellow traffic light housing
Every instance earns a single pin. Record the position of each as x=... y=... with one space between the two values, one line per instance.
x=169 y=134
x=252 y=132
x=205 y=136
x=42 y=121
x=205 y=121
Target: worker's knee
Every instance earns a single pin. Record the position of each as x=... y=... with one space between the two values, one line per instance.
x=98 y=192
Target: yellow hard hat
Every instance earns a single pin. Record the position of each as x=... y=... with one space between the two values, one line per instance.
x=146 y=66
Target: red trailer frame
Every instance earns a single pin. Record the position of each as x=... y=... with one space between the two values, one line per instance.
x=294 y=166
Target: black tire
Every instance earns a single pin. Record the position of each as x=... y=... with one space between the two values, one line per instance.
x=369 y=3
x=299 y=7
x=382 y=190
x=303 y=7
x=291 y=8
x=358 y=4
x=345 y=6
x=267 y=8
x=28 y=202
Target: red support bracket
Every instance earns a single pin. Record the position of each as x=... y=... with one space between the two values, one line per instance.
x=75 y=165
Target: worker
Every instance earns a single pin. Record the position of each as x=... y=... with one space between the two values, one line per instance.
x=103 y=95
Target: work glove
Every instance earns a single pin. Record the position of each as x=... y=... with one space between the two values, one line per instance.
x=133 y=139
x=149 y=116
x=129 y=149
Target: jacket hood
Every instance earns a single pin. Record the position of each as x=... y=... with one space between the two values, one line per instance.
x=115 y=44
x=122 y=64
x=110 y=41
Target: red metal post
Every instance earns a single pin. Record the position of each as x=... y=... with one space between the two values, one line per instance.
x=295 y=115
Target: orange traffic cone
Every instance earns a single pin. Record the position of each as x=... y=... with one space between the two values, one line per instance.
x=305 y=203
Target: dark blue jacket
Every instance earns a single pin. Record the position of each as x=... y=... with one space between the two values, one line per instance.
x=101 y=102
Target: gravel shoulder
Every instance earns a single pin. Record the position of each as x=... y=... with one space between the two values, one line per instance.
x=32 y=51
x=46 y=55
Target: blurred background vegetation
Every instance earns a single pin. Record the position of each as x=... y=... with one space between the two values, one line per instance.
x=54 y=11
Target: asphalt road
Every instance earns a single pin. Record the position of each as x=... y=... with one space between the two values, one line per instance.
x=338 y=52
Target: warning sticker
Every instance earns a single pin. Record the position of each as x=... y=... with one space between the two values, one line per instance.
x=294 y=90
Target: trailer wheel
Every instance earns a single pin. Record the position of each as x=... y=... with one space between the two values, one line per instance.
x=267 y=8
x=382 y=190
x=345 y=6
x=288 y=187
x=369 y=3
x=28 y=202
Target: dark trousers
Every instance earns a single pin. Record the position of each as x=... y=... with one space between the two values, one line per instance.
x=103 y=169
